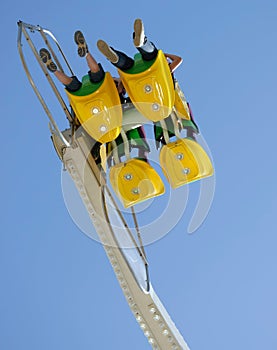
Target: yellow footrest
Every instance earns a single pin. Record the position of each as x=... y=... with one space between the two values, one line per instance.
x=184 y=161
x=135 y=181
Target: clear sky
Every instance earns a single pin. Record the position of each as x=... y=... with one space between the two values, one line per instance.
x=57 y=289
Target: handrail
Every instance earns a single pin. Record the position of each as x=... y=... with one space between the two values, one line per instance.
x=22 y=29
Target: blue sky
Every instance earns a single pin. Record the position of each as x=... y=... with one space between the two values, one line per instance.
x=57 y=288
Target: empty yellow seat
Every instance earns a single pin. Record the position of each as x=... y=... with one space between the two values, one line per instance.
x=134 y=181
x=151 y=90
x=99 y=112
x=184 y=161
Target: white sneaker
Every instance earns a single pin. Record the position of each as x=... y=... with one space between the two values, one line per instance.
x=138 y=33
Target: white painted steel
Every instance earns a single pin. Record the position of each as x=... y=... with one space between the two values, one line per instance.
x=148 y=310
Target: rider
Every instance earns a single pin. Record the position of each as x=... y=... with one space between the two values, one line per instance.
x=147 y=49
x=148 y=52
x=72 y=84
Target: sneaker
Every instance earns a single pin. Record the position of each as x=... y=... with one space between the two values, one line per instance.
x=107 y=51
x=138 y=33
x=46 y=58
x=81 y=42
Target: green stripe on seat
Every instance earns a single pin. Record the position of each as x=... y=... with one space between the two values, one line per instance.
x=140 y=65
x=87 y=87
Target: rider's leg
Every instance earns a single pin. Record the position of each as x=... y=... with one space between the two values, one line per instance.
x=96 y=72
x=71 y=83
x=117 y=58
x=147 y=49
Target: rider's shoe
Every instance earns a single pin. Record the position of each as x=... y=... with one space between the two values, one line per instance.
x=138 y=35
x=46 y=58
x=81 y=42
x=107 y=51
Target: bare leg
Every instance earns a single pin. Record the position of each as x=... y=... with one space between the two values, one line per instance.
x=63 y=78
x=92 y=64
x=96 y=72
x=52 y=67
x=84 y=52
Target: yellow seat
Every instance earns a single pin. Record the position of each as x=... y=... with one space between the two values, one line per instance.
x=184 y=161
x=151 y=90
x=135 y=181
x=99 y=112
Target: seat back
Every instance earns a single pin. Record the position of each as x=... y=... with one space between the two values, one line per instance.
x=135 y=181
x=184 y=161
x=99 y=111
x=150 y=87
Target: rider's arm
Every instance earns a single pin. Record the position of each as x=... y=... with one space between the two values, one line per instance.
x=175 y=61
x=119 y=85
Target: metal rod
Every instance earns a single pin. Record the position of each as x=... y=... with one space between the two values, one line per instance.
x=29 y=76
x=165 y=131
x=126 y=144
x=135 y=243
x=50 y=80
x=141 y=251
x=138 y=231
x=175 y=119
x=115 y=152
x=43 y=33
